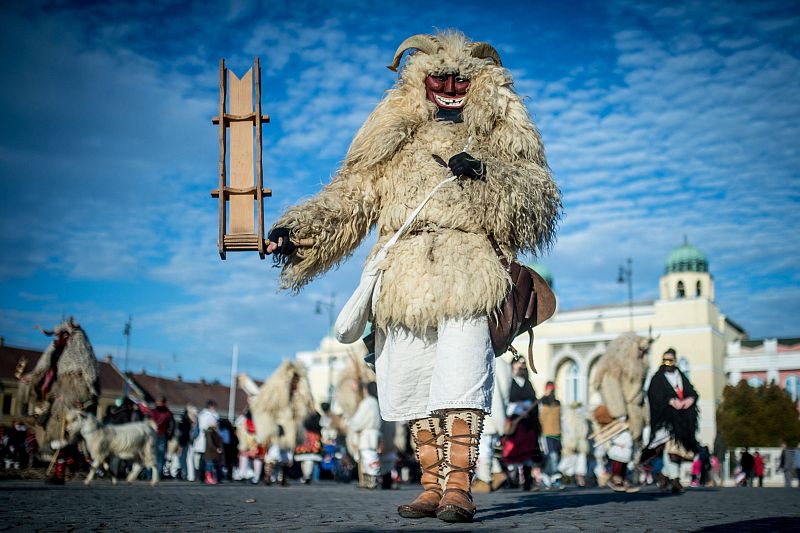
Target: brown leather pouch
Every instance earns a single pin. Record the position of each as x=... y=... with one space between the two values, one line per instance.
x=529 y=302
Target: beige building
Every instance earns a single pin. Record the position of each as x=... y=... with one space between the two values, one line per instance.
x=326 y=363
x=685 y=317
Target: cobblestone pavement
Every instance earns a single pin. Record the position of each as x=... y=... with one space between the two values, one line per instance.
x=176 y=506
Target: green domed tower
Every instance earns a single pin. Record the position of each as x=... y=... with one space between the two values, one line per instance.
x=686 y=274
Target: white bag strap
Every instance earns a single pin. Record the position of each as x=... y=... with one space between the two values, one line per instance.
x=413 y=215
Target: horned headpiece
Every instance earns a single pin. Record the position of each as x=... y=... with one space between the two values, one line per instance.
x=429 y=44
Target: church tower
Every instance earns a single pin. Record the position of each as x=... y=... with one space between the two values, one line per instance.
x=686 y=275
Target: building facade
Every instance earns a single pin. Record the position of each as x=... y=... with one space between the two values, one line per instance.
x=684 y=317
x=760 y=362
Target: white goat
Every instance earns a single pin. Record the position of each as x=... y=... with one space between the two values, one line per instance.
x=135 y=442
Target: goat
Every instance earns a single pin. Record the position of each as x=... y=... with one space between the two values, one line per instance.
x=135 y=442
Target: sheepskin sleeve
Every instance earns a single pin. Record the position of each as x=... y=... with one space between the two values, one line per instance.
x=527 y=198
x=337 y=218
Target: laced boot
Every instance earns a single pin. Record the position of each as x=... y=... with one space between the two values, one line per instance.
x=462 y=429
x=427 y=435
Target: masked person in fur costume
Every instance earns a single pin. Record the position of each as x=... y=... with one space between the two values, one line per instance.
x=673 y=419
x=278 y=409
x=620 y=376
x=65 y=377
x=453 y=110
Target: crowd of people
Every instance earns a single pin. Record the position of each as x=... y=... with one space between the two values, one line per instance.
x=636 y=436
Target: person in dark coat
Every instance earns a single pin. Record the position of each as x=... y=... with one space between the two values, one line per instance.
x=213 y=455
x=165 y=428
x=673 y=418
x=748 y=463
x=521 y=440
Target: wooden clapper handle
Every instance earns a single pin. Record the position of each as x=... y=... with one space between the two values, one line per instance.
x=300 y=243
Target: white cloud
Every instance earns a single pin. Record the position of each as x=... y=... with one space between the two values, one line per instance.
x=691 y=130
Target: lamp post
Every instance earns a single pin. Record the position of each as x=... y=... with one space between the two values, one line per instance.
x=127 y=333
x=626 y=275
x=330 y=306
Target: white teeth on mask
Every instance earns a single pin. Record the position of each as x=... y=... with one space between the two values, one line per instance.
x=449 y=102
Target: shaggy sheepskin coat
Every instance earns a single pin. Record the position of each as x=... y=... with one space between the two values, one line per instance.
x=278 y=413
x=76 y=382
x=620 y=379
x=445 y=266
x=574 y=431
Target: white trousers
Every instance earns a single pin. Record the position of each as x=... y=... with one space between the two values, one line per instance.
x=449 y=367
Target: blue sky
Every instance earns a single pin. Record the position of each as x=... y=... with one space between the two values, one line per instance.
x=659 y=122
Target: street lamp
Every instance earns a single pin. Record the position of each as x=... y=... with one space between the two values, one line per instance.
x=626 y=275
x=127 y=333
x=330 y=306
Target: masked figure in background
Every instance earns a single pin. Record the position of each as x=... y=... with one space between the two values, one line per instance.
x=453 y=110
x=65 y=377
x=278 y=408
x=620 y=376
x=673 y=419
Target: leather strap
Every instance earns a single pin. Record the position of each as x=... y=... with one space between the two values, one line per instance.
x=432 y=442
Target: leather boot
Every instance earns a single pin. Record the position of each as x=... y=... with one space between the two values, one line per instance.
x=427 y=435
x=462 y=430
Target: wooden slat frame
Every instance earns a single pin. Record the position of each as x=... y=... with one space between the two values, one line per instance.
x=262 y=252
x=222 y=182
x=239 y=157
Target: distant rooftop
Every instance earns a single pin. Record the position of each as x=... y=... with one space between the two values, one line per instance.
x=787 y=342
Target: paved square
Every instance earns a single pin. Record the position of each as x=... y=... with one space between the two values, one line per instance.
x=175 y=506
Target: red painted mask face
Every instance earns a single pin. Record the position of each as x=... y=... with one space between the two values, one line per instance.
x=447 y=91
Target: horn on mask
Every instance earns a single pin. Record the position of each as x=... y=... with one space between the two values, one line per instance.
x=485 y=51
x=427 y=44
x=650 y=338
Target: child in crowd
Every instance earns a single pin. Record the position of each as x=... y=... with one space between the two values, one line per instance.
x=213 y=454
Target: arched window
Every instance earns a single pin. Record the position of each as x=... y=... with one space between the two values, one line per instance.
x=791 y=385
x=572 y=384
x=683 y=365
x=698 y=290
x=593 y=398
x=681 y=290
x=567 y=382
x=755 y=381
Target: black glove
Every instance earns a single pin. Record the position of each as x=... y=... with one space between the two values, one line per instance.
x=464 y=164
x=288 y=246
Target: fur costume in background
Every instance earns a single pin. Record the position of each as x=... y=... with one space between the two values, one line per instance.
x=278 y=412
x=65 y=377
x=620 y=376
x=347 y=392
x=445 y=267
x=574 y=443
x=347 y=396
